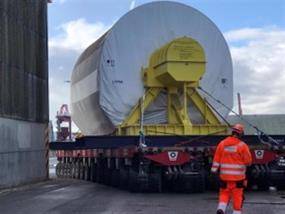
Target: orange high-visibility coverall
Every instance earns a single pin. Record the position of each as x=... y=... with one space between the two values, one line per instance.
x=231 y=157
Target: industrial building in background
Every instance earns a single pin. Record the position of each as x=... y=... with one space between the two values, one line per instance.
x=23 y=92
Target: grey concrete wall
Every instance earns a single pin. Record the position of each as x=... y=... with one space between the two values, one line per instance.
x=23 y=91
x=23 y=60
x=22 y=152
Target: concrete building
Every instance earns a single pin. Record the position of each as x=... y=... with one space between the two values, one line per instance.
x=23 y=91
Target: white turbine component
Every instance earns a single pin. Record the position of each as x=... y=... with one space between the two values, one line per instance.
x=106 y=80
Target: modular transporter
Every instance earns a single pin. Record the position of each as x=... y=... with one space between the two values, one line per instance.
x=151 y=97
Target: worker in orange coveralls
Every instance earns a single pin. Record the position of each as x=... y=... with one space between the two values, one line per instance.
x=231 y=158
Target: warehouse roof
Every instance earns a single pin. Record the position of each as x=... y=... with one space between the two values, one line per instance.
x=273 y=124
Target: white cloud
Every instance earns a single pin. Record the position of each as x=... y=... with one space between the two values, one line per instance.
x=78 y=34
x=259 y=68
x=58 y=95
x=132 y=5
x=62 y=1
x=64 y=50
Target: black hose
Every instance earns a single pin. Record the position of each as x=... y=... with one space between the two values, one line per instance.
x=218 y=113
x=260 y=133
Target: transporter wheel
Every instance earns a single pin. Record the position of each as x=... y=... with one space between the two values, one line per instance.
x=76 y=170
x=258 y=177
x=194 y=183
x=277 y=173
x=99 y=173
x=107 y=176
x=115 y=182
x=200 y=183
x=101 y=170
x=279 y=182
x=82 y=171
x=133 y=184
x=61 y=170
x=87 y=173
x=65 y=170
x=73 y=170
x=155 y=182
x=57 y=169
x=123 y=178
x=262 y=184
x=212 y=181
x=93 y=172
x=68 y=170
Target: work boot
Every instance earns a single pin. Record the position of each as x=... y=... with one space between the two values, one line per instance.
x=219 y=211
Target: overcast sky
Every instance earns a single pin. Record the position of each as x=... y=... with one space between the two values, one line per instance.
x=254 y=30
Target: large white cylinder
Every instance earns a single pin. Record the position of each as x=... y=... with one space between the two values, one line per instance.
x=106 y=80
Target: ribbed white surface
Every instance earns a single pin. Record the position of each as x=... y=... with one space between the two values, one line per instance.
x=85 y=87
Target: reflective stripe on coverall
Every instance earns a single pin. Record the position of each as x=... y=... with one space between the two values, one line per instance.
x=231 y=157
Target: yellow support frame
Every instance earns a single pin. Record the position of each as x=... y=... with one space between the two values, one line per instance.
x=177 y=68
x=135 y=114
x=202 y=106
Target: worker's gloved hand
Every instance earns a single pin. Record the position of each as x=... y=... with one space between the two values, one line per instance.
x=214 y=172
x=214 y=175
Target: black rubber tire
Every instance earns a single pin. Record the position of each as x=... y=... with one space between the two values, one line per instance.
x=258 y=184
x=106 y=176
x=155 y=182
x=73 y=170
x=57 y=170
x=200 y=183
x=77 y=170
x=133 y=184
x=99 y=174
x=69 y=170
x=263 y=185
x=194 y=183
x=93 y=172
x=61 y=170
x=81 y=171
x=212 y=182
x=87 y=173
x=124 y=177
x=278 y=180
x=115 y=182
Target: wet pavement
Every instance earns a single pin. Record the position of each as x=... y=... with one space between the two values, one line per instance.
x=60 y=196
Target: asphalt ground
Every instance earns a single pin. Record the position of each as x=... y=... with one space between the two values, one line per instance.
x=60 y=196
